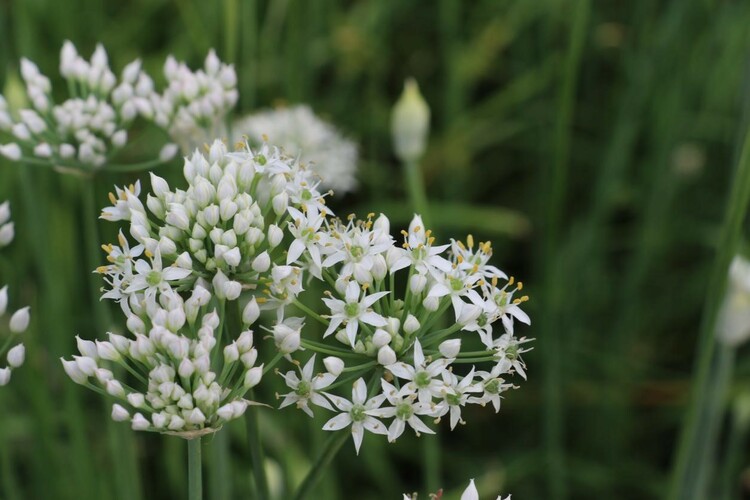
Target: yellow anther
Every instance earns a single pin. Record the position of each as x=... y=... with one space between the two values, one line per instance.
x=148 y=254
x=417 y=229
x=475 y=268
x=102 y=269
x=122 y=240
x=460 y=259
x=261 y=300
x=494 y=281
x=431 y=240
x=520 y=285
x=112 y=198
x=107 y=248
x=461 y=245
x=470 y=241
x=404 y=233
x=428 y=233
x=511 y=281
x=370 y=215
x=111 y=259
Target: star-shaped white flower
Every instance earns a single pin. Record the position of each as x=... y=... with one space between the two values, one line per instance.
x=404 y=409
x=357 y=413
x=153 y=278
x=352 y=310
x=306 y=390
x=424 y=378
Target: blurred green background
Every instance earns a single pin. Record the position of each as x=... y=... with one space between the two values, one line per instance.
x=593 y=142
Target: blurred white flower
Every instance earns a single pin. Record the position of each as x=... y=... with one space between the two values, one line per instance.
x=298 y=131
x=410 y=124
x=733 y=324
x=193 y=106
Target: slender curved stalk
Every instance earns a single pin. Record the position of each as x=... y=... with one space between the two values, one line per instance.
x=332 y=447
x=688 y=481
x=121 y=439
x=195 y=480
x=555 y=185
x=257 y=457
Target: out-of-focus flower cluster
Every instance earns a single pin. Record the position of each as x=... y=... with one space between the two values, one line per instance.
x=86 y=130
x=14 y=353
x=90 y=125
x=181 y=380
x=194 y=104
x=410 y=341
x=298 y=131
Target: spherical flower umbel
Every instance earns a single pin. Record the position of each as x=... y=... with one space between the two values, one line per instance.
x=222 y=230
x=411 y=322
x=178 y=383
x=83 y=131
x=299 y=132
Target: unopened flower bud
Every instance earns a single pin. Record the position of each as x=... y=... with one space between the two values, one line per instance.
x=381 y=338
x=262 y=262
x=411 y=324
x=386 y=356
x=417 y=283
x=275 y=235
x=19 y=322
x=253 y=376
x=431 y=303
x=334 y=365
x=74 y=372
x=231 y=353
x=410 y=124
x=119 y=414
x=251 y=312
x=450 y=348
x=4 y=376
x=16 y=356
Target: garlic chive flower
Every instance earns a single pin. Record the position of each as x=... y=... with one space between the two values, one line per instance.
x=12 y=354
x=223 y=229
x=429 y=326
x=85 y=130
x=300 y=132
x=175 y=382
x=470 y=493
x=194 y=104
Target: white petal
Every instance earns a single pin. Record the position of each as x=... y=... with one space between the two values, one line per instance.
x=338 y=422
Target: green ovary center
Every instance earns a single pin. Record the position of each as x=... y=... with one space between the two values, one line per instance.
x=352 y=310
x=303 y=389
x=453 y=399
x=260 y=159
x=153 y=278
x=404 y=411
x=511 y=352
x=306 y=195
x=422 y=379
x=493 y=386
x=357 y=252
x=357 y=413
x=456 y=284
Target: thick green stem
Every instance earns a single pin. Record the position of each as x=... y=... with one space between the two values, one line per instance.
x=257 y=456
x=417 y=193
x=687 y=482
x=195 y=480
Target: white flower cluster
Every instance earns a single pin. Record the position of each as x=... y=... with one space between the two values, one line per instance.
x=225 y=229
x=19 y=320
x=85 y=129
x=193 y=106
x=182 y=382
x=416 y=337
x=299 y=131
x=470 y=493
